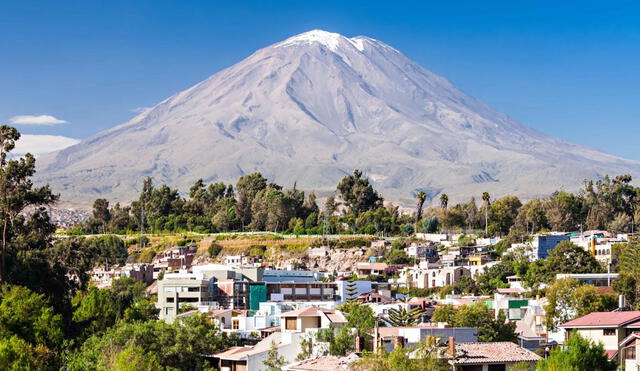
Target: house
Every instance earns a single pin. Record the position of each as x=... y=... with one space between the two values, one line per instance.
x=629 y=352
x=532 y=329
x=374 y=297
x=177 y=257
x=302 y=291
x=541 y=244
x=177 y=290
x=510 y=302
x=422 y=251
x=304 y=319
x=609 y=328
x=593 y=279
x=240 y=260
x=364 y=269
x=295 y=327
x=390 y=337
x=440 y=277
x=515 y=282
x=247 y=358
x=491 y=356
x=432 y=237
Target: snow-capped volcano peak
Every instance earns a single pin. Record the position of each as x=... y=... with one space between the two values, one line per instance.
x=331 y=40
x=313 y=108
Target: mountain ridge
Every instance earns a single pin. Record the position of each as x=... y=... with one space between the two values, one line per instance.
x=312 y=108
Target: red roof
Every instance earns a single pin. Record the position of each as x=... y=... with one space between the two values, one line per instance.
x=486 y=353
x=630 y=340
x=604 y=319
x=611 y=354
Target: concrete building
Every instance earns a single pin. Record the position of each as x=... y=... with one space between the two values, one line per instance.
x=364 y=269
x=440 y=277
x=177 y=290
x=390 y=337
x=594 y=279
x=541 y=245
x=302 y=291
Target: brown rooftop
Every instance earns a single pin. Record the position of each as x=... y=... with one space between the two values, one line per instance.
x=498 y=352
x=603 y=319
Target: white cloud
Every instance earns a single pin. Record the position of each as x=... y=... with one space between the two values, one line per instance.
x=41 y=144
x=36 y=120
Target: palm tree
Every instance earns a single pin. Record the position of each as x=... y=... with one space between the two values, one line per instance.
x=421 y=196
x=487 y=201
x=444 y=200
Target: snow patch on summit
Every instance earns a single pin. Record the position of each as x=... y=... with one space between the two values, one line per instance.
x=331 y=40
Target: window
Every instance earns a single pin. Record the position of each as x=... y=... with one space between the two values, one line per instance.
x=236 y=324
x=169 y=300
x=630 y=352
x=608 y=331
x=291 y=323
x=194 y=289
x=188 y=300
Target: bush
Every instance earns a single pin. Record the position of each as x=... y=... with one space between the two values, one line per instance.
x=214 y=249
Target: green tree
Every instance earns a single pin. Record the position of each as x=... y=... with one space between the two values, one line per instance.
x=445 y=313
x=95 y=310
x=247 y=188
x=340 y=341
x=444 y=200
x=400 y=317
x=361 y=317
x=430 y=224
x=16 y=354
x=486 y=198
x=351 y=291
x=132 y=358
x=568 y=299
x=274 y=361
x=421 y=357
x=503 y=214
x=127 y=291
x=358 y=194
x=577 y=354
x=490 y=329
x=566 y=257
x=28 y=315
x=101 y=212
x=421 y=197
x=16 y=194
x=178 y=346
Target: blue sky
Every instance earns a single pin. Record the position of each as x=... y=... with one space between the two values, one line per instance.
x=569 y=69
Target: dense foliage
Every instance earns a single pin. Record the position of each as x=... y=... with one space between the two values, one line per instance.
x=253 y=204
x=479 y=316
x=577 y=354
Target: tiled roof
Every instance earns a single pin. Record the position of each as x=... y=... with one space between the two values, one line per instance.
x=188 y=313
x=219 y=312
x=327 y=363
x=336 y=317
x=307 y=312
x=602 y=319
x=498 y=352
x=631 y=339
x=611 y=354
x=234 y=353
